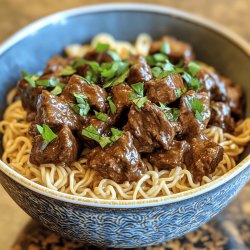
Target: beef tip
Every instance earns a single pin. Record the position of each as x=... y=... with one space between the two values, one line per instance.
x=121 y=95
x=190 y=121
x=179 y=50
x=149 y=127
x=169 y=159
x=140 y=71
x=63 y=149
x=28 y=94
x=95 y=94
x=203 y=157
x=56 y=64
x=212 y=83
x=236 y=100
x=119 y=162
x=164 y=90
x=221 y=116
x=54 y=111
x=100 y=57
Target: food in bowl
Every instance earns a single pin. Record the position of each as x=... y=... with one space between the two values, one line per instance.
x=115 y=120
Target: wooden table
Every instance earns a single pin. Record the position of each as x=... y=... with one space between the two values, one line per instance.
x=230 y=230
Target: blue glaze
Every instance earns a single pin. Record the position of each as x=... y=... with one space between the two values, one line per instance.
x=121 y=227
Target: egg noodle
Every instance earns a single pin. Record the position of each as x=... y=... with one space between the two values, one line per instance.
x=79 y=180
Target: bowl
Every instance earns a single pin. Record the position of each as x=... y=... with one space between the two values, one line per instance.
x=130 y=223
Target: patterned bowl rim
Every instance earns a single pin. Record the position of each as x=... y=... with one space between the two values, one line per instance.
x=148 y=8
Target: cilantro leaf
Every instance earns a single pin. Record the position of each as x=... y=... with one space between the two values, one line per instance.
x=31 y=79
x=117 y=80
x=101 y=116
x=100 y=47
x=57 y=90
x=156 y=71
x=194 y=68
x=47 y=134
x=179 y=92
x=112 y=106
x=67 y=71
x=165 y=48
x=159 y=57
x=114 y=55
x=116 y=134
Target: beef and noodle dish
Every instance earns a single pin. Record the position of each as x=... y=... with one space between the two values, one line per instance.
x=122 y=121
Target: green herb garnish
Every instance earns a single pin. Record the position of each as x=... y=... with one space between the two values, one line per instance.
x=67 y=71
x=100 y=47
x=176 y=114
x=196 y=106
x=112 y=106
x=101 y=116
x=138 y=88
x=92 y=133
x=179 y=92
x=164 y=107
x=159 y=57
x=165 y=48
x=31 y=79
x=117 y=80
x=193 y=83
x=139 y=102
x=56 y=91
x=193 y=68
x=114 y=55
x=137 y=95
x=82 y=107
x=47 y=134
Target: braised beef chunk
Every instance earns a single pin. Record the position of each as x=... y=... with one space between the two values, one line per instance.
x=212 y=83
x=119 y=162
x=121 y=95
x=236 y=100
x=194 y=112
x=178 y=50
x=140 y=71
x=149 y=127
x=100 y=57
x=171 y=158
x=164 y=90
x=56 y=65
x=221 y=116
x=63 y=149
x=203 y=157
x=53 y=111
x=28 y=94
x=95 y=94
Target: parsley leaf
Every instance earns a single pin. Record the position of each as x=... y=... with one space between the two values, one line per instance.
x=100 y=47
x=176 y=114
x=114 y=55
x=179 y=92
x=57 y=90
x=67 y=71
x=92 y=133
x=31 y=79
x=165 y=48
x=194 y=68
x=196 y=106
x=159 y=57
x=138 y=88
x=47 y=134
x=163 y=107
x=101 y=116
x=139 y=102
x=193 y=83
x=82 y=107
x=156 y=71
x=112 y=106
x=117 y=80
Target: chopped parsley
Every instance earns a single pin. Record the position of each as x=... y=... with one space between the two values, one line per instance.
x=82 y=106
x=92 y=133
x=179 y=92
x=196 y=106
x=193 y=83
x=171 y=114
x=112 y=106
x=137 y=96
x=165 y=48
x=164 y=107
x=31 y=79
x=114 y=55
x=67 y=71
x=100 y=47
x=56 y=91
x=101 y=116
x=117 y=80
x=47 y=134
x=193 y=68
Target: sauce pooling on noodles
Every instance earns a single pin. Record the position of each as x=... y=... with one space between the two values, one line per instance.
x=125 y=122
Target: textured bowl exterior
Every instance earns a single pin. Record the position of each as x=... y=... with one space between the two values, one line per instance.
x=106 y=223
x=124 y=228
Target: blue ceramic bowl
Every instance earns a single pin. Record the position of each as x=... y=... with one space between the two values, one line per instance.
x=123 y=223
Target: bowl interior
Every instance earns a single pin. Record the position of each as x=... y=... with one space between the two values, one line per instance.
x=33 y=47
